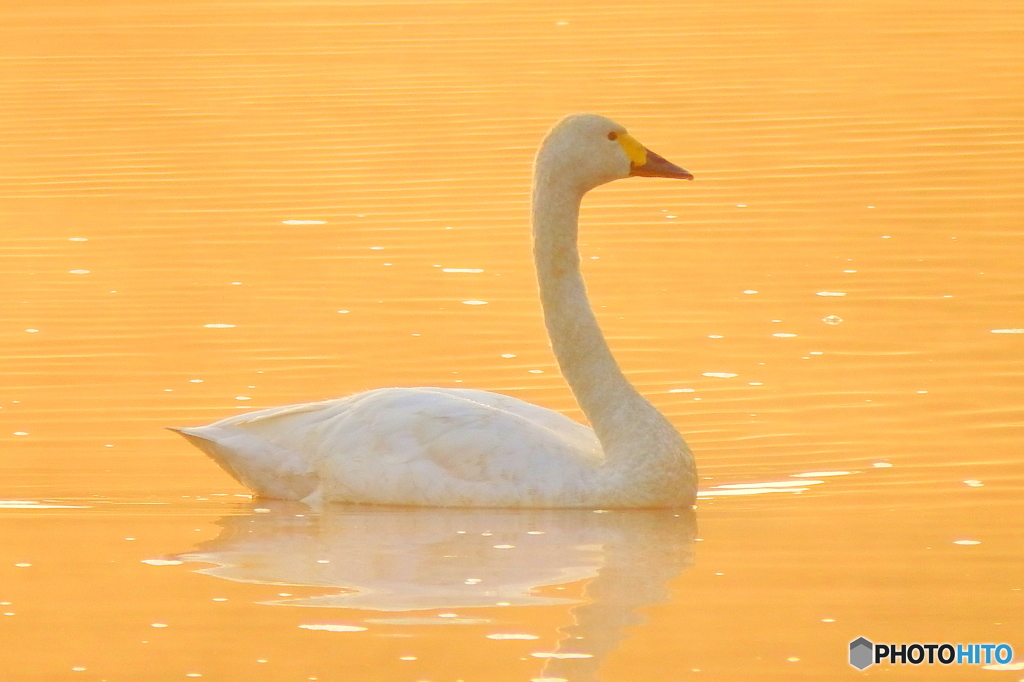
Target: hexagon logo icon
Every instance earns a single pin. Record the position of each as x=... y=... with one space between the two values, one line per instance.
x=861 y=653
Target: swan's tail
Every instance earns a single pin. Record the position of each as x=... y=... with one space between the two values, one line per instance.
x=268 y=470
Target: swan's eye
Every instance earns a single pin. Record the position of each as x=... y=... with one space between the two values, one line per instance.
x=613 y=135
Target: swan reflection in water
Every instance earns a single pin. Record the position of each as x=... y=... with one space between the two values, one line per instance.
x=405 y=559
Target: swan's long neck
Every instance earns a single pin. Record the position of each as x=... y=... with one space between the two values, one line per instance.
x=633 y=434
x=583 y=355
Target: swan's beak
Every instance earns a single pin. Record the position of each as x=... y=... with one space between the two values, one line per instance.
x=658 y=167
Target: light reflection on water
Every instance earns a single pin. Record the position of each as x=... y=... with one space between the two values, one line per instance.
x=407 y=559
x=415 y=559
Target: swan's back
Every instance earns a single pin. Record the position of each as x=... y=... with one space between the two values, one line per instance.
x=412 y=446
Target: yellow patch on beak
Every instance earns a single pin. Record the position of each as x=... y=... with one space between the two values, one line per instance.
x=636 y=152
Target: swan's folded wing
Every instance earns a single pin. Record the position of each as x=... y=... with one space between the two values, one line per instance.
x=481 y=436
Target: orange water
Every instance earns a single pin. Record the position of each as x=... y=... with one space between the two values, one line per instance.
x=871 y=149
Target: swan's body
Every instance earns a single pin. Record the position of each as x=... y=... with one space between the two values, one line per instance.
x=461 y=447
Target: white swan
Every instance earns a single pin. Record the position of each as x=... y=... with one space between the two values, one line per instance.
x=466 y=448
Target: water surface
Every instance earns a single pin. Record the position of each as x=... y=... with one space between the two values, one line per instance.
x=211 y=207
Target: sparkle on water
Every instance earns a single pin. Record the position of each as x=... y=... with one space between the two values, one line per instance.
x=1004 y=666
x=416 y=621
x=333 y=627
x=35 y=504
x=769 y=485
x=511 y=636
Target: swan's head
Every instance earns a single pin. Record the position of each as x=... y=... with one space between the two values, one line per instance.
x=588 y=150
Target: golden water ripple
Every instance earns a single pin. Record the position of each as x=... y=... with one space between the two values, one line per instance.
x=190 y=193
